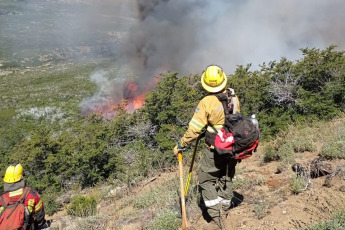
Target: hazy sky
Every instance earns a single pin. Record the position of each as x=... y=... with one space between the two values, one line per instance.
x=150 y=36
x=191 y=34
x=182 y=35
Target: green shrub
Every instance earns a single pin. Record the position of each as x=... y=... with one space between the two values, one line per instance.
x=145 y=200
x=334 y=150
x=50 y=204
x=336 y=223
x=93 y=222
x=82 y=206
x=240 y=183
x=260 y=209
x=270 y=153
x=167 y=220
x=297 y=139
x=298 y=184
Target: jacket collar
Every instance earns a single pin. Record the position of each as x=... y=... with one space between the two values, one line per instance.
x=9 y=187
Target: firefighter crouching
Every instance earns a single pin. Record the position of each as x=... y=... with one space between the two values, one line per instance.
x=15 y=191
x=216 y=171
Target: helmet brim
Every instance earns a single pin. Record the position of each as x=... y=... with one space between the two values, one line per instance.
x=213 y=89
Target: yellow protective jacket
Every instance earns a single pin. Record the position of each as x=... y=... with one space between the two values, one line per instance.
x=209 y=111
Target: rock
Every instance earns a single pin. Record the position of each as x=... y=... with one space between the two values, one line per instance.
x=342 y=188
x=114 y=191
x=319 y=167
x=64 y=199
x=62 y=223
x=282 y=204
x=341 y=172
x=328 y=182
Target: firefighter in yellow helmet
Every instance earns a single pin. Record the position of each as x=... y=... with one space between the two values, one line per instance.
x=216 y=171
x=16 y=191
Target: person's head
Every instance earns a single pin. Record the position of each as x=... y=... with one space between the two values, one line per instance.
x=213 y=79
x=14 y=173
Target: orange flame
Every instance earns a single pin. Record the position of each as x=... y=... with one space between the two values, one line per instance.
x=133 y=99
x=139 y=101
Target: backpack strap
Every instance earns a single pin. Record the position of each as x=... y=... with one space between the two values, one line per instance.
x=20 y=201
x=4 y=201
x=26 y=192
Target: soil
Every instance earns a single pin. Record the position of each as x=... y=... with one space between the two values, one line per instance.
x=268 y=204
x=284 y=210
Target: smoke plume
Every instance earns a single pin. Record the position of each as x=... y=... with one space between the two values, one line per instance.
x=147 y=37
x=191 y=34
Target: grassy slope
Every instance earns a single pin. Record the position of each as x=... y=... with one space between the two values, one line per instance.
x=270 y=200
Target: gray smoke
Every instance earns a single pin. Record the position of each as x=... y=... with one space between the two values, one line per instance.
x=151 y=36
x=180 y=35
x=188 y=35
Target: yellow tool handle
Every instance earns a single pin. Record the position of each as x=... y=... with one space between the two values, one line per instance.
x=191 y=166
x=187 y=183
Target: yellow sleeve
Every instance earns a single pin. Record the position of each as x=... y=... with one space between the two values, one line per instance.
x=196 y=124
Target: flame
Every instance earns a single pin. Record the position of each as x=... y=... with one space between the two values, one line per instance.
x=133 y=98
x=139 y=101
x=131 y=92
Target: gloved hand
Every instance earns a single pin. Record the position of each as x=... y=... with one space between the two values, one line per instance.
x=178 y=149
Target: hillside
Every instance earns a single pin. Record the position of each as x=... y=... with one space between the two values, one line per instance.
x=266 y=194
x=94 y=95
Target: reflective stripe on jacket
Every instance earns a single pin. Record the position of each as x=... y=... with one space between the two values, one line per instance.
x=209 y=111
x=33 y=202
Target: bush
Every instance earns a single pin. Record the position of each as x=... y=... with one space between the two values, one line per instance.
x=337 y=223
x=82 y=206
x=298 y=184
x=50 y=204
x=93 y=222
x=334 y=150
x=167 y=220
x=146 y=200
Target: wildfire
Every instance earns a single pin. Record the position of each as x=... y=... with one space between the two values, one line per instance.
x=131 y=93
x=114 y=97
x=132 y=99
x=139 y=101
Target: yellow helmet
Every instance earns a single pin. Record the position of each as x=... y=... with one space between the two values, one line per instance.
x=14 y=173
x=213 y=79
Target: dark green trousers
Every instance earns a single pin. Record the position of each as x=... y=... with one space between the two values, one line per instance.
x=215 y=181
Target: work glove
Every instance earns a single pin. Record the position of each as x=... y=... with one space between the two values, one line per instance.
x=178 y=149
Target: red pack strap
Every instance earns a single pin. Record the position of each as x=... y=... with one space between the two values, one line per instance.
x=25 y=194
x=19 y=201
x=248 y=152
x=4 y=204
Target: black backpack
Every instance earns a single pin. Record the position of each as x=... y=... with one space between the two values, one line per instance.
x=244 y=133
